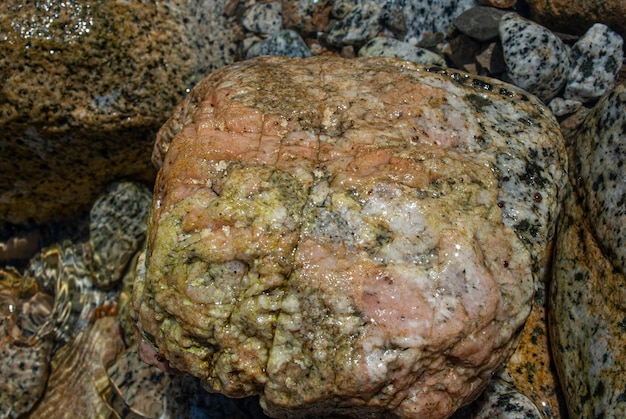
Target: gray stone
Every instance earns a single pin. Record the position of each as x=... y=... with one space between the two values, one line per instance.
x=86 y=84
x=424 y=16
x=562 y=107
x=264 y=18
x=359 y=25
x=480 y=23
x=500 y=400
x=536 y=59
x=286 y=42
x=587 y=293
x=389 y=47
x=596 y=61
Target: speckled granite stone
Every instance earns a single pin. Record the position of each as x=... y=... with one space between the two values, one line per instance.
x=390 y=47
x=588 y=291
x=500 y=400
x=86 y=84
x=360 y=24
x=530 y=369
x=596 y=60
x=536 y=60
x=287 y=43
x=561 y=107
x=264 y=17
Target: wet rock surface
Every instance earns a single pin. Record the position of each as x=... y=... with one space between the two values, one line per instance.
x=309 y=296
x=54 y=33
x=587 y=291
x=86 y=84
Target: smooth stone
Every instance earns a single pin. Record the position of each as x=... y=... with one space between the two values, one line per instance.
x=480 y=23
x=86 y=84
x=576 y=16
x=78 y=385
x=287 y=43
x=588 y=290
x=264 y=17
x=536 y=59
x=490 y=61
x=562 y=107
x=462 y=51
x=389 y=47
x=500 y=400
x=596 y=59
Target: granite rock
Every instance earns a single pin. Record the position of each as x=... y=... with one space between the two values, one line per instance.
x=360 y=24
x=287 y=43
x=86 y=84
x=562 y=107
x=390 y=47
x=264 y=17
x=536 y=59
x=588 y=290
x=348 y=200
x=500 y=400
x=596 y=60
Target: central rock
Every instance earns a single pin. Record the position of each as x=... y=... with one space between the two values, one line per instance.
x=357 y=237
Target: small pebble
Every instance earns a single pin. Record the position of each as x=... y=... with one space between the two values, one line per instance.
x=389 y=47
x=264 y=18
x=429 y=16
x=596 y=61
x=286 y=42
x=562 y=107
x=359 y=25
x=536 y=59
x=480 y=23
x=500 y=400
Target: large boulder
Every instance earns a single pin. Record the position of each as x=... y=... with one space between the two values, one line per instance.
x=358 y=237
x=588 y=291
x=85 y=86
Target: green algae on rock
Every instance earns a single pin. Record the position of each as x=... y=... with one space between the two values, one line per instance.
x=349 y=236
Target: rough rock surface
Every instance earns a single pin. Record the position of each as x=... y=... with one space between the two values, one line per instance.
x=588 y=292
x=347 y=236
x=85 y=85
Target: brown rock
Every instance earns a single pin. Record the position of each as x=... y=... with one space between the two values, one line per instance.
x=576 y=16
x=86 y=84
x=501 y=4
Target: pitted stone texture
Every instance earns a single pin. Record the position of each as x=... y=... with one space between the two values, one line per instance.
x=86 y=84
x=596 y=60
x=588 y=292
x=536 y=59
x=357 y=236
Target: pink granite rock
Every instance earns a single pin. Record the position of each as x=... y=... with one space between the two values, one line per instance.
x=357 y=237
